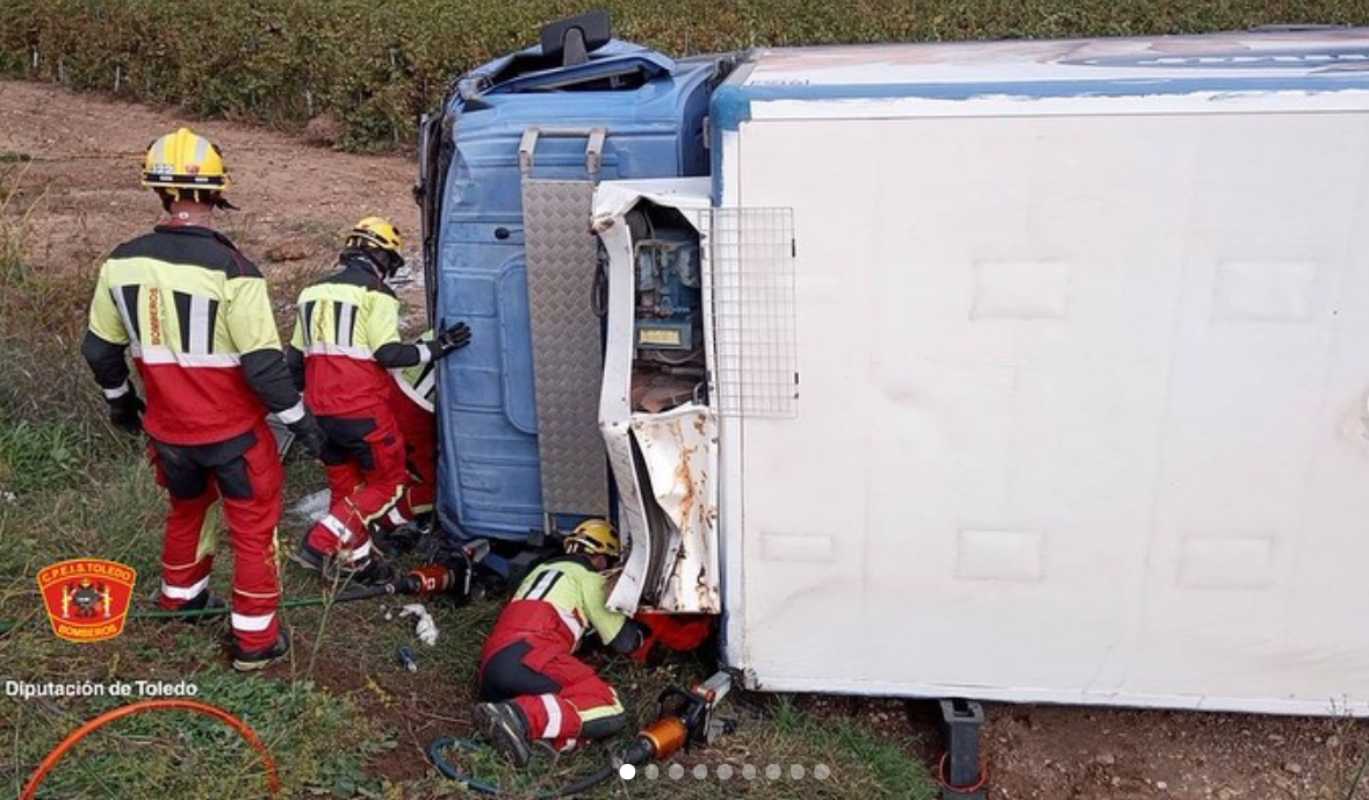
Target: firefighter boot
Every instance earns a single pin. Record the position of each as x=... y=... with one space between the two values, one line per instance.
x=306 y=556
x=252 y=660
x=505 y=728
x=206 y=602
x=369 y=571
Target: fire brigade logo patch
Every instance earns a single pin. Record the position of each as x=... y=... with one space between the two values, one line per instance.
x=87 y=599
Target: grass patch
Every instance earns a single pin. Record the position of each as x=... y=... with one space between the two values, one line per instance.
x=33 y=456
x=353 y=722
x=173 y=753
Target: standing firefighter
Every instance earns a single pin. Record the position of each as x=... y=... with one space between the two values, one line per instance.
x=414 y=391
x=346 y=337
x=534 y=688
x=195 y=314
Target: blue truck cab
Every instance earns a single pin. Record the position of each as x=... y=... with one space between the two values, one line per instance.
x=577 y=108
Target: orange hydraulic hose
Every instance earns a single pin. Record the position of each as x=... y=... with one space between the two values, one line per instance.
x=248 y=735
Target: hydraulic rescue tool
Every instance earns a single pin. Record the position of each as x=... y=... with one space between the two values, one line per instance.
x=685 y=718
x=450 y=572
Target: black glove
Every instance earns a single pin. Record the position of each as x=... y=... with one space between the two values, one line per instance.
x=125 y=412
x=308 y=433
x=449 y=339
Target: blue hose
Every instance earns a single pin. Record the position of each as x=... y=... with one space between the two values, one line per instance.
x=474 y=784
x=452 y=771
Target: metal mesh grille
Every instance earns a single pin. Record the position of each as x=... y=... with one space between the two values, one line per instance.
x=754 y=316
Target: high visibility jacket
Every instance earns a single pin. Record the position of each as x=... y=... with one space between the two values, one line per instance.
x=419 y=382
x=348 y=330
x=555 y=605
x=195 y=314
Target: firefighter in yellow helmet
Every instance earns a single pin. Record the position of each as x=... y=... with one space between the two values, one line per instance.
x=534 y=689
x=346 y=338
x=194 y=314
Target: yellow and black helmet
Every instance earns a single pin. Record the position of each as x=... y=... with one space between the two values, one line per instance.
x=379 y=239
x=377 y=232
x=595 y=537
x=182 y=161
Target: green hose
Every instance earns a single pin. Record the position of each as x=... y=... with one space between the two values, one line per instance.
x=7 y=626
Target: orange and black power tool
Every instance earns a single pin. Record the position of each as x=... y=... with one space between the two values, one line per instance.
x=451 y=576
x=685 y=718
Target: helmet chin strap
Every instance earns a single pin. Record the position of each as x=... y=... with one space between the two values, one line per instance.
x=372 y=261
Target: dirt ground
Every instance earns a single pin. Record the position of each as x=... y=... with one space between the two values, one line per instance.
x=84 y=154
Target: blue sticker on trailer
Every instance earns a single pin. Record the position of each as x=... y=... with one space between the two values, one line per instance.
x=652 y=108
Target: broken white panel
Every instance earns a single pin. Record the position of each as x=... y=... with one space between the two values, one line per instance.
x=615 y=412
x=613 y=199
x=679 y=447
x=674 y=484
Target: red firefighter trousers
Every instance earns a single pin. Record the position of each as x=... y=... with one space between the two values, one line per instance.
x=364 y=460
x=245 y=473
x=527 y=661
x=419 y=431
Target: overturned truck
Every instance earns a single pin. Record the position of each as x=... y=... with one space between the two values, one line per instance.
x=1021 y=371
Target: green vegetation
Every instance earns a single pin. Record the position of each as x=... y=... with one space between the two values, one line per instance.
x=376 y=66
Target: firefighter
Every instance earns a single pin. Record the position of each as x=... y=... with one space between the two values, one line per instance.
x=194 y=314
x=534 y=689
x=346 y=337
x=414 y=390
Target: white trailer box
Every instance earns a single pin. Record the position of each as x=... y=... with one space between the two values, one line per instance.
x=1037 y=371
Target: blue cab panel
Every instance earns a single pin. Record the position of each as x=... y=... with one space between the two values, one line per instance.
x=653 y=109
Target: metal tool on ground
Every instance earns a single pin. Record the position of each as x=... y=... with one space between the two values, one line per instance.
x=686 y=718
x=449 y=573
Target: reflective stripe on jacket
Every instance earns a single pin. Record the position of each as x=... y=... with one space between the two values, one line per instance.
x=556 y=604
x=348 y=330
x=195 y=315
x=419 y=382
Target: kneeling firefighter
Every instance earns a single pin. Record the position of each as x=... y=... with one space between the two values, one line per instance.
x=534 y=689
x=346 y=337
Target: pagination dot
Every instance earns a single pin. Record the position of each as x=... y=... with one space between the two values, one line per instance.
x=627 y=772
